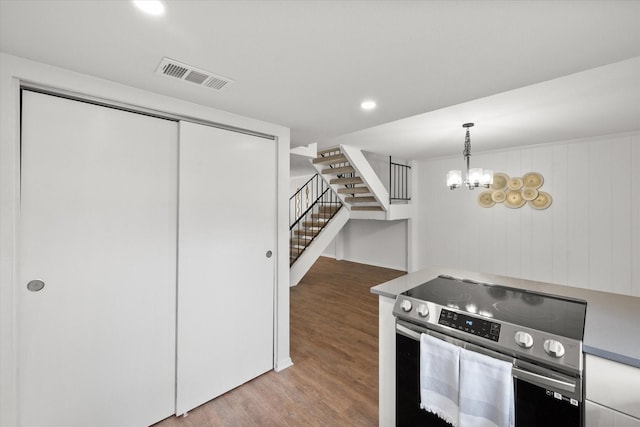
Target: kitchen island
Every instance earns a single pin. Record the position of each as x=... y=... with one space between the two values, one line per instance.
x=611 y=344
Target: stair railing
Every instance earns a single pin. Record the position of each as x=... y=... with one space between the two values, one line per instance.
x=309 y=217
x=399 y=176
x=304 y=197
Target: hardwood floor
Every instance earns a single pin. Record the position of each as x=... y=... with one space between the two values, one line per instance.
x=334 y=347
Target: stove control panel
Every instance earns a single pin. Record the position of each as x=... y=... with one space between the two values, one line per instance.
x=472 y=325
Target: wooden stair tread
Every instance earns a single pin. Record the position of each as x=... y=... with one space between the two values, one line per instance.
x=305 y=232
x=336 y=171
x=322 y=215
x=366 y=208
x=365 y=199
x=354 y=190
x=346 y=181
x=319 y=223
x=338 y=158
x=328 y=208
x=328 y=150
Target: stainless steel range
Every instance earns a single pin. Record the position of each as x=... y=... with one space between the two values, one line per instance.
x=540 y=334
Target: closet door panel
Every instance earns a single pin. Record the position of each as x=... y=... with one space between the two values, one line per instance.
x=96 y=346
x=227 y=223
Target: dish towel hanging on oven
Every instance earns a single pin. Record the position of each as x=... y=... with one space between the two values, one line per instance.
x=486 y=391
x=439 y=378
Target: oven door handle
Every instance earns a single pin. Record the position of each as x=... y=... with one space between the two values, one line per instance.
x=543 y=380
x=409 y=333
x=525 y=375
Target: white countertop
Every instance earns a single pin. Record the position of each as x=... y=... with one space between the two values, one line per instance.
x=612 y=326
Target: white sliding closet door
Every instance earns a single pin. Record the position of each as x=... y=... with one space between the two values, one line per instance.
x=227 y=199
x=96 y=346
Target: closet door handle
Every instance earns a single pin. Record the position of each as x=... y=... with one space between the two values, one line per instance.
x=35 y=285
x=268 y=254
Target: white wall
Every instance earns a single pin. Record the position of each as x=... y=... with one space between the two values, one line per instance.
x=13 y=70
x=589 y=237
x=381 y=243
x=295 y=182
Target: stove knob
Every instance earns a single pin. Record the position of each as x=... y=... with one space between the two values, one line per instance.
x=524 y=339
x=423 y=310
x=554 y=348
x=406 y=305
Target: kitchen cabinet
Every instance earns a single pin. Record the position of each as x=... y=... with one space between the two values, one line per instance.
x=601 y=416
x=386 y=362
x=612 y=393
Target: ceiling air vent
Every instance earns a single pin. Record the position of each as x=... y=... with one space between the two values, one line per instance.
x=172 y=68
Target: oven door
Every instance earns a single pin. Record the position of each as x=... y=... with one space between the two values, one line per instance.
x=542 y=397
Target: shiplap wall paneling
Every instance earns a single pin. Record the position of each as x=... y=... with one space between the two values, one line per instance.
x=559 y=224
x=577 y=205
x=635 y=215
x=527 y=269
x=600 y=213
x=499 y=229
x=541 y=160
x=448 y=250
x=621 y=215
x=588 y=237
x=513 y=222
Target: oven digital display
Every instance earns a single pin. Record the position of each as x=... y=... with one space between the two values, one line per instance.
x=480 y=327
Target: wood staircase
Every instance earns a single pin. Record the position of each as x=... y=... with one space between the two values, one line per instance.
x=343 y=176
x=307 y=230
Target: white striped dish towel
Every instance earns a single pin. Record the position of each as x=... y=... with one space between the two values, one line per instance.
x=439 y=378
x=486 y=391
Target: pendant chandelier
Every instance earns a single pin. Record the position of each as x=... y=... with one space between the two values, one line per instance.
x=475 y=177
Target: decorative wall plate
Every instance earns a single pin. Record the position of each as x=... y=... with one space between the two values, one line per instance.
x=514 y=199
x=516 y=192
x=485 y=200
x=498 y=196
x=499 y=181
x=529 y=193
x=532 y=180
x=543 y=201
x=514 y=183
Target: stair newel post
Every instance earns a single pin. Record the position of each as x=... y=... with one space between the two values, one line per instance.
x=390 y=181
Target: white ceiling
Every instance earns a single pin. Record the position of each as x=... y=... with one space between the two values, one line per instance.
x=307 y=65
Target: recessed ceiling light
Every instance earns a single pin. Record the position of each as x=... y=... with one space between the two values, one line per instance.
x=152 y=7
x=368 y=105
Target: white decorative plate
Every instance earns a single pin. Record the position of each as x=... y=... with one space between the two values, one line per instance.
x=485 y=200
x=514 y=183
x=514 y=199
x=529 y=193
x=532 y=180
x=499 y=181
x=498 y=196
x=543 y=201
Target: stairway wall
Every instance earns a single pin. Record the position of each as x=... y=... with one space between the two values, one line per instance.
x=314 y=250
x=380 y=243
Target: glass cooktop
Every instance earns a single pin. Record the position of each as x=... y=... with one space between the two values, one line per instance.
x=549 y=313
